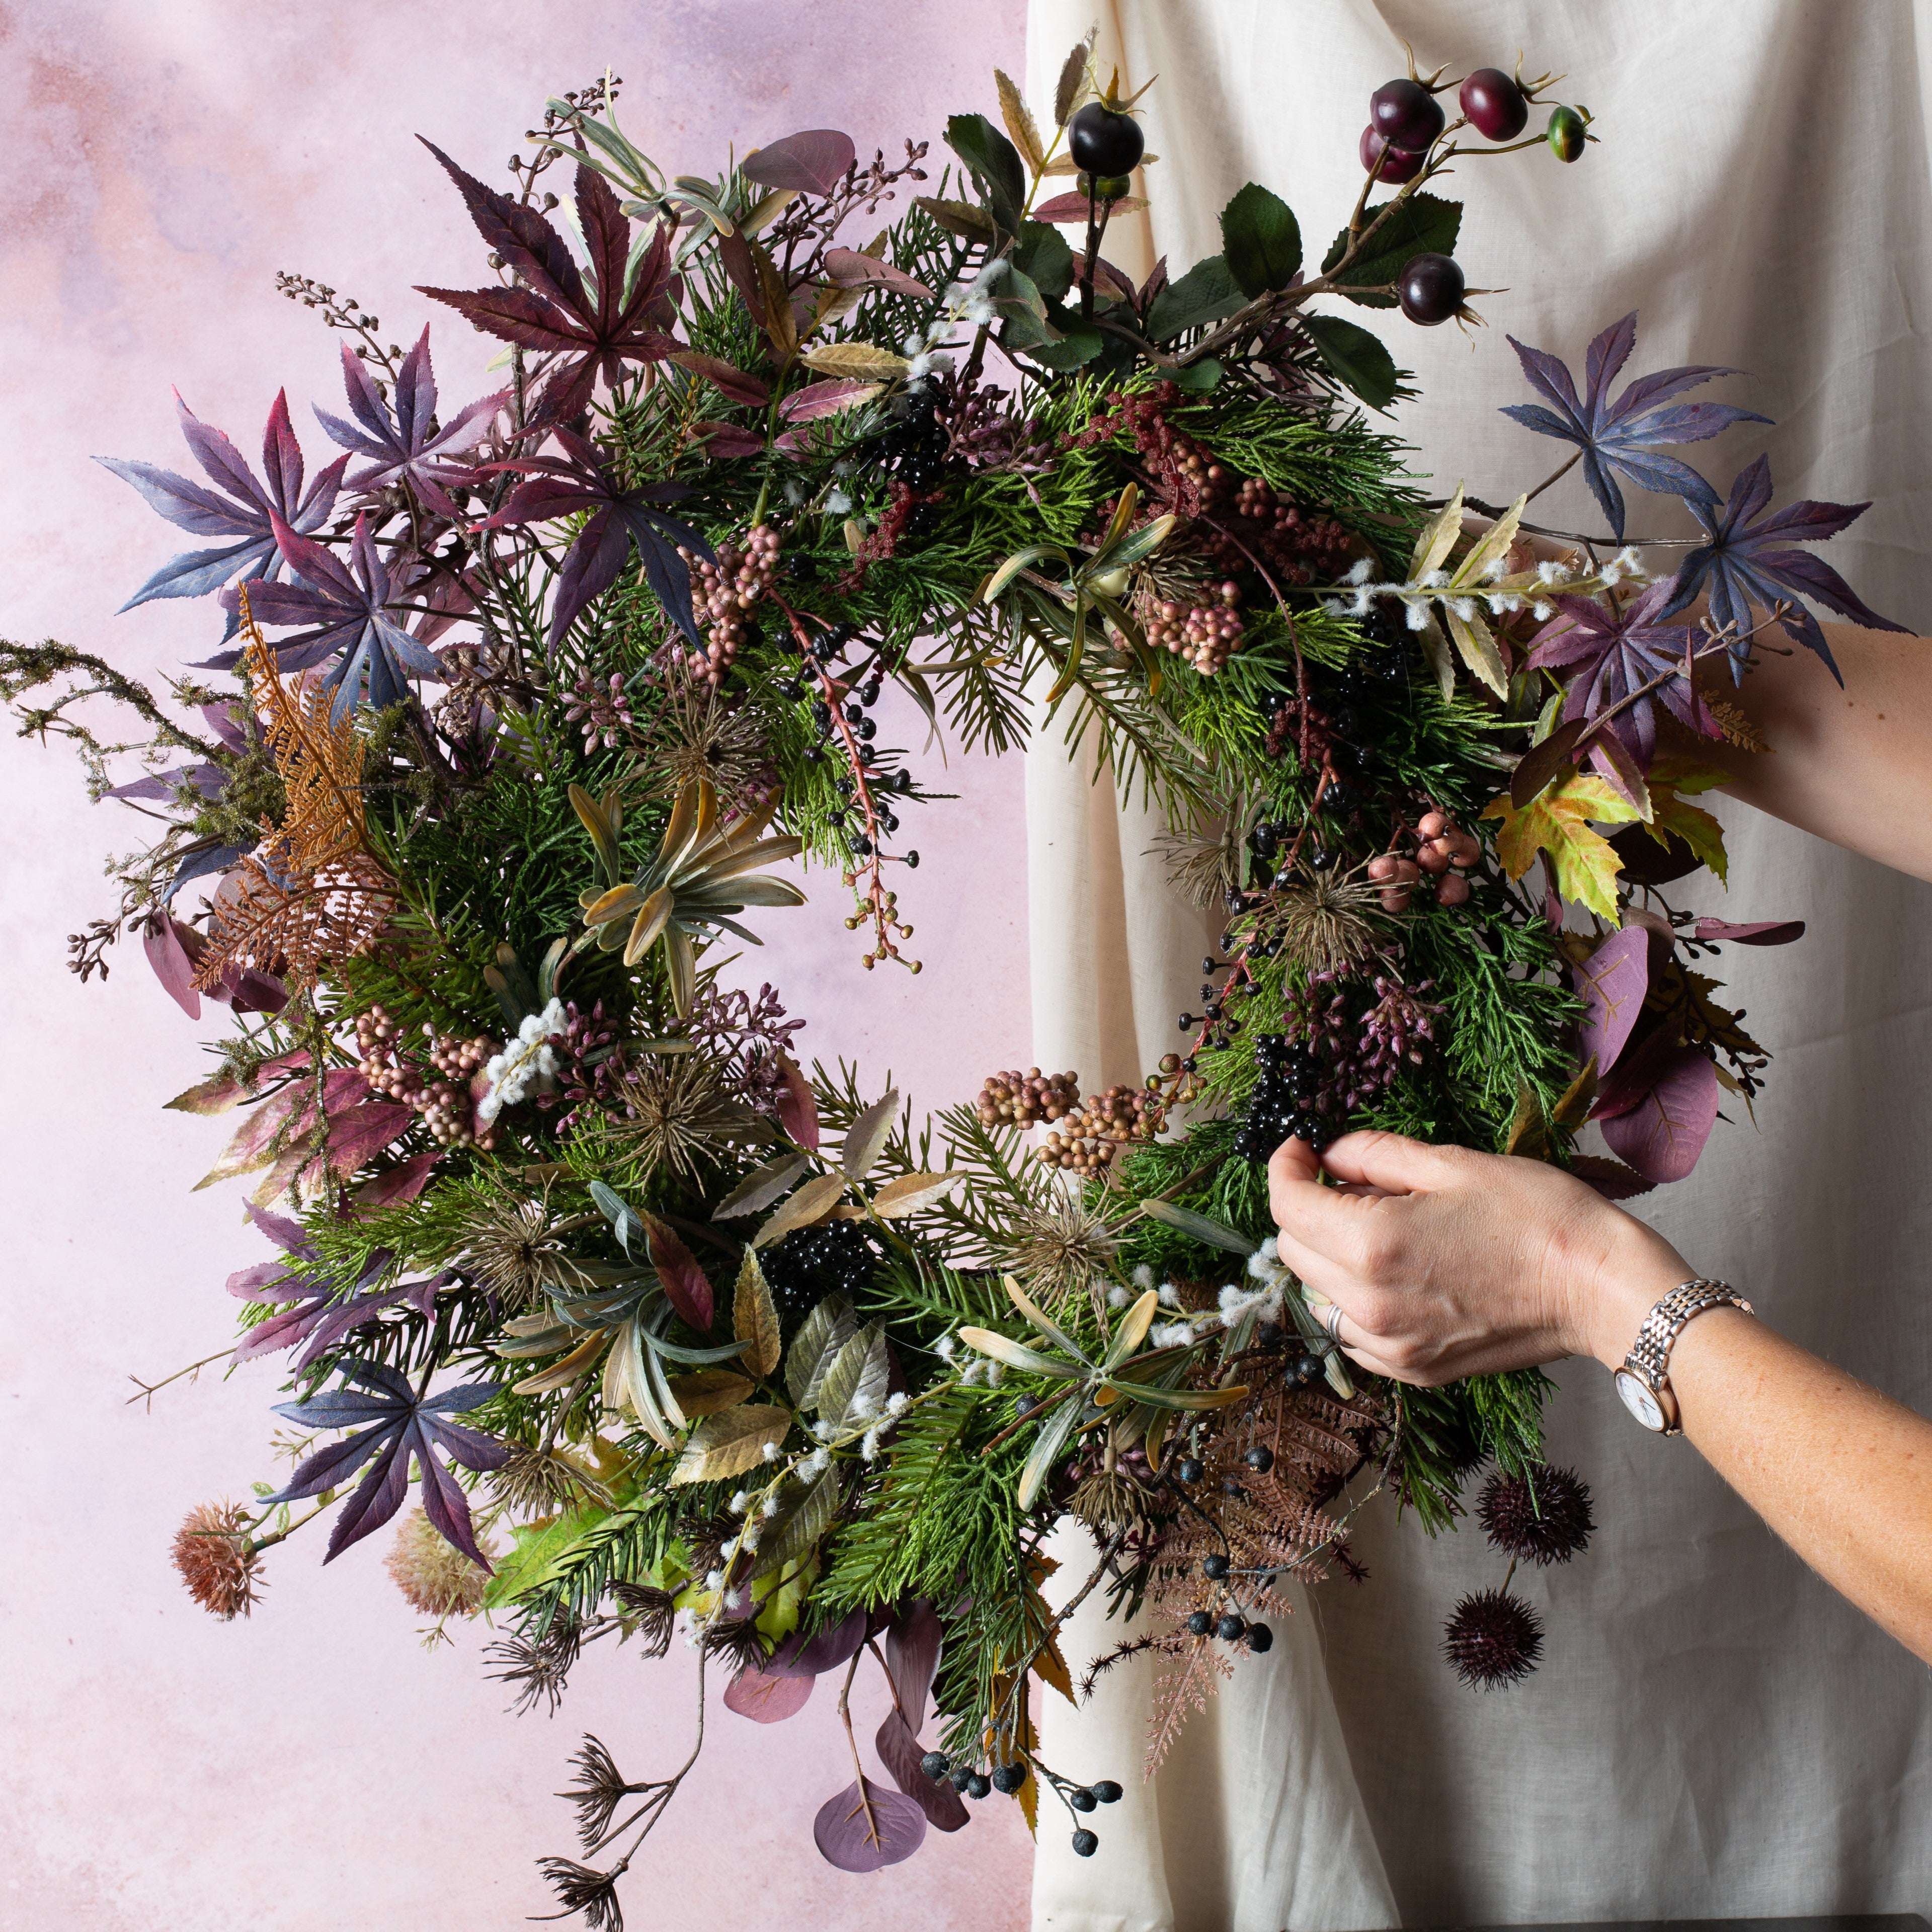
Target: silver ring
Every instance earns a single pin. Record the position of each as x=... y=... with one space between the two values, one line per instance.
x=1331 y=1320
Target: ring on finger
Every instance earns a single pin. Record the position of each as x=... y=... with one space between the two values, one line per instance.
x=1331 y=1320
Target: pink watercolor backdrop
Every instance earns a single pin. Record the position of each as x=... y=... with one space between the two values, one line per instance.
x=312 y=1768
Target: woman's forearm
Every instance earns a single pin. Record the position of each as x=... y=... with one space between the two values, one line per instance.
x=1843 y=1474
x=1853 y=765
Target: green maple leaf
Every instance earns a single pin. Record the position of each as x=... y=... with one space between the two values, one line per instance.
x=1671 y=781
x=1558 y=822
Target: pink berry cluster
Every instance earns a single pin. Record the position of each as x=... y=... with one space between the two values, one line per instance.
x=1443 y=851
x=600 y=710
x=1088 y=1139
x=447 y=1106
x=726 y=592
x=1025 y=1100
x=1206 y=634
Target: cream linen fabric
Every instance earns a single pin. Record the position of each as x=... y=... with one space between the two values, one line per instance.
x=1712 y=1732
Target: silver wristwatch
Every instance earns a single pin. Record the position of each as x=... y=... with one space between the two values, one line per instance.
x=1644 y=1380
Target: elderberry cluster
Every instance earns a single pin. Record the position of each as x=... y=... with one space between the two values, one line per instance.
x=837 y=1257
x=1289 y=1101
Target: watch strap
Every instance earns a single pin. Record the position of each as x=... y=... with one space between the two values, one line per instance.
x=1649 y=1357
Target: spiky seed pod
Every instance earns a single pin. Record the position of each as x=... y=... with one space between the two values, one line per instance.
x=656 y=1612
x=1492 y=1639
x=508 y=1249
x=435 y=1576
x=1541 y=1517
x=678 y=1108
x=221 y=1570
x=1061 y=1250
x=542 y=1482
x=1323 y=924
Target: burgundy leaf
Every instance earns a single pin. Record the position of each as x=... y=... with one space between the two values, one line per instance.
x=826 y=399
x=1541 y=763
x=1758 y=932
x=725 y=378
x=847 y=269
x=722 y=442
x=865 y=1829
x=684 y=1283
x=1612 y=982
x=358 y=1134
x=798 y=1112
x=1064 y=211
x=403 y=1182
x=768 y=1696
x=836 y=1644
x=813 y=162
x=161 y=940
x=900 y=1752
x=1604 y=656
x=591 y=332
x=1662 y=1135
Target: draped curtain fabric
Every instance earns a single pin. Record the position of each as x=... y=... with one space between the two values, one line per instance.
x=1712 y=1732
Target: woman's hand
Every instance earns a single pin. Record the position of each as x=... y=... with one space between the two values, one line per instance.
x=1446 y=1262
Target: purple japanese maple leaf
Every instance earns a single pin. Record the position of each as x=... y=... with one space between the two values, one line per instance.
x=1625 y=438
x=619 y=316
x=320 y=1313
x=402 y=1422
x=349 y=606
x=1749 y=559
x=561 y=486
x=404 y=442
x=239 y=507
x=1606 y=655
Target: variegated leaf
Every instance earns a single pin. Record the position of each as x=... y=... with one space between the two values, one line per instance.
x=730 y=1442
x=908 y=1193
x=858 y=1378
x=815 y=1347
x=754 y=1317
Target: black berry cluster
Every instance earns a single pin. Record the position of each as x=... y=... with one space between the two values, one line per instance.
x=837 y=1257
x=1289 y=1101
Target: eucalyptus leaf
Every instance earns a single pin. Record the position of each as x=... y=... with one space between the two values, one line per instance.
x=1198 y=1227
x=1045 y=1451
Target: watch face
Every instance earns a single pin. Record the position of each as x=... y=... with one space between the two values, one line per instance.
x=1640 y=1402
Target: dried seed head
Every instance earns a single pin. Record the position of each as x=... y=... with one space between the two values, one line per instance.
x=216 y=1560
x=435 y=1576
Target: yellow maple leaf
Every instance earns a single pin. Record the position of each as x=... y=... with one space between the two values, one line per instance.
x=1558 y=822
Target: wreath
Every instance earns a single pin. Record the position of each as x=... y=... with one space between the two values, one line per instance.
x=517 y=705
